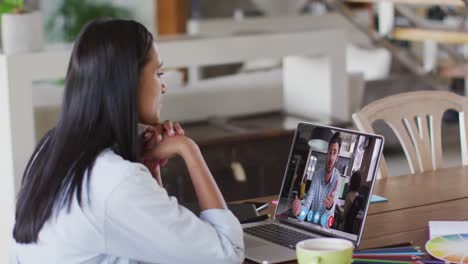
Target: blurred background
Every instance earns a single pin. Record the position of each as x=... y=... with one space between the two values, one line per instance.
x=242 y=74
x=326 y=60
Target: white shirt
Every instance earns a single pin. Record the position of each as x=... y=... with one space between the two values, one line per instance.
x=131 y=219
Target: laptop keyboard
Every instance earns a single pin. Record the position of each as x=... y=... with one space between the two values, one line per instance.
x=277 y=234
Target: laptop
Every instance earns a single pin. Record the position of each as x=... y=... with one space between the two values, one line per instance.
x=326 y=192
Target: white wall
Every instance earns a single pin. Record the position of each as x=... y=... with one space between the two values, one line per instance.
x=143 y=10
x=7 y=189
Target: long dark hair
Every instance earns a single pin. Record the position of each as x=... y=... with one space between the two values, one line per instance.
x=99 y=111
x=355 y=182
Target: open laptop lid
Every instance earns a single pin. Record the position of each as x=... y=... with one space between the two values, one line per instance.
x=332 y=172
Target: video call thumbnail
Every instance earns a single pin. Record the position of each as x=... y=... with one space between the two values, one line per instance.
x=329 y=179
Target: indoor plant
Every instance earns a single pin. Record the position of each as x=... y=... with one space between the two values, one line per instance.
x=71 y=15
x=21 y=30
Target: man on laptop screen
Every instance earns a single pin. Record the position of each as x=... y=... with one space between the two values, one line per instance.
x=321 y=194
x=317 y=182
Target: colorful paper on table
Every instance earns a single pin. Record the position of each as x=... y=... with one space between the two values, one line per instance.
x=442 y=228
x=377 y=199
x=451 y=248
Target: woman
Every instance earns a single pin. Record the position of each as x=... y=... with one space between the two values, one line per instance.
x=85 y=198
x=353 y=193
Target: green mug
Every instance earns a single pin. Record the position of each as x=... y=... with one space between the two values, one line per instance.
x=324 y=251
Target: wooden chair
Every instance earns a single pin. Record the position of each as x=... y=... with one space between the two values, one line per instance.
x=416 y=120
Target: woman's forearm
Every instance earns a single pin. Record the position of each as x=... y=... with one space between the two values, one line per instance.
x=208 y=194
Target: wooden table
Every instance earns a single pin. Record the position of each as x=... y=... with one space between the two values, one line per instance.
x=413 y=201
x=436 y=35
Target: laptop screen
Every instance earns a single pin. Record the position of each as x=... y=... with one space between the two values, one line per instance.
x=329 y=179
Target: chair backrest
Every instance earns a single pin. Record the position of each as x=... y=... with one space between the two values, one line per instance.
x=416 y=120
